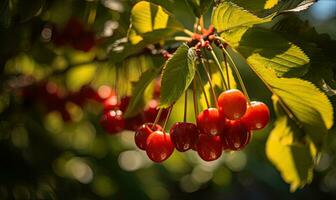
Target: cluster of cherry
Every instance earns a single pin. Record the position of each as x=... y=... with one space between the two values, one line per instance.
x=227 y=128
x=113 y=120
x=74 y=34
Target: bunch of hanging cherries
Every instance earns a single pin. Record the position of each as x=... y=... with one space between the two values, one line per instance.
x=226 y=127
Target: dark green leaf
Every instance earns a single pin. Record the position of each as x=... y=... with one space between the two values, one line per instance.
x=199 y=7
x=177 y=75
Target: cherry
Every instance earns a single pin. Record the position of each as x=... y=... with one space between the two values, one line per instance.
x=159 y=146
x=232 y=104
x=142 y=133
x=113 y=121
x=84 y=42
x=210 y=122
x=256 y=116
x=151 y=111
x=209 y=147
x=236 y=136
x=111 y=103
x=133 y=123
x=73 y=28
x=184 y=135
x=124 y=101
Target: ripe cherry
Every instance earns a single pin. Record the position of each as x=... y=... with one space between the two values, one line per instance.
x=124 y=101
x=111 y=103
x=159 y=146
x=151 y=111
x=113 y=121
x=210 y=122
x=232 y=104
x=184 y=135
x=133 y=123
x=256 y=116
x=142 y=133
x=236 y=136
x=209 y=147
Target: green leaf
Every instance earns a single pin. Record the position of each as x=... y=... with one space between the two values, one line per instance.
x=295 y=162
x=138 y=91
x=310 y=107
x=177 y=75
x=152 y=21
x=259 y=46
x=199 y=7
x=265 y=48
x=228 y=16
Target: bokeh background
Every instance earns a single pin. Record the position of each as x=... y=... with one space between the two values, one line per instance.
x=43 y=156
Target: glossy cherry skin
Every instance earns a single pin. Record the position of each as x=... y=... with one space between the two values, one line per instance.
x=236 y=135
x=143 y=132
x=113 y=121
x=256 y=116
x=232 y=104
x=184 y=135
x=159 y=146
x=111 y=103
x=210 y=122
x=209 y=147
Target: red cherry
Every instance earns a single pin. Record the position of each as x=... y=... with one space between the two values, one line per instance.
x=236 y=136
x=210 y=122
x=73 y=28
x=111 y=103
x=159 y=146
x=184 y=135
x=124 y=101
x=151 y=111
x=232 y=104
x=133 y=123
x=142 y=133
x=113 y=121
x=256 y=116
x=209 y=147
x=84 y=42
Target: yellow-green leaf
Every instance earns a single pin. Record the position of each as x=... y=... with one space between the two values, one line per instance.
x=149 y=20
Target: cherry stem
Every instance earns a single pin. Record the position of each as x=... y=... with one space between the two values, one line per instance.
x=167 y=118
x=210 y=81
x=194 y=98
x=186 y=31
x=202 y=88
x=208 y=66
x=185 y=106
x=227 y=71
x=235 y=68
x=157 y=118
x=219 y=67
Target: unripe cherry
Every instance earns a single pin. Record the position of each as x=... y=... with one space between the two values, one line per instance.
x=210 y=122
x=142 y=133
x=232 y=104
x=184 y=135
x=236 y=135
x=209 y=147
x=159 y=146
x=256 y=116
x=113 y=121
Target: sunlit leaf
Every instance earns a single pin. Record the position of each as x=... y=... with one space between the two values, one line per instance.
x=177 y=75
x=151 y=21
x=295 y=162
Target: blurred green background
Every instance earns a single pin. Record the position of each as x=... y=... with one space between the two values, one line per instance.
x=44 y=157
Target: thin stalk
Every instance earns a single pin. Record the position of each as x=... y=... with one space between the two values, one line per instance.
x=210 y=82
x=201 y=22
x=202 y=88
x=182 y=38
x=194 y=98
x=208 y=67
x=185 y=106
x=235 y=68
x=219 y=67
x=227 y=71
x=157 y=118
x=167 y=118
x=186 y=31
